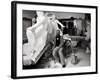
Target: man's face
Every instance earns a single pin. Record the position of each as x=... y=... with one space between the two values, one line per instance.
x=68 y=43
x=58 y=32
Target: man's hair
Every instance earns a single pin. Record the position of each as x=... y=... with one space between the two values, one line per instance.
x=58 y=31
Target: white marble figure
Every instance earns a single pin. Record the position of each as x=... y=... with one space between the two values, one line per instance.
x=37 y=34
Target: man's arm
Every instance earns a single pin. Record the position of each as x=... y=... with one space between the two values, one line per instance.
x=54 y=42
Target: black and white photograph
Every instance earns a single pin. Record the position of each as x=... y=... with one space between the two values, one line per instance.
x=53 y=39
x=56 y=39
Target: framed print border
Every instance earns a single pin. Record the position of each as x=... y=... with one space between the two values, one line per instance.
x=14 y=38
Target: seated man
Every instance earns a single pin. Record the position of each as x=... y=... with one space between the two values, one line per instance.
x=66 y=47
x=60 y=43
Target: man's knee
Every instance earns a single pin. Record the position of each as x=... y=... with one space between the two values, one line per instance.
x=60 y=51
x=55 y=51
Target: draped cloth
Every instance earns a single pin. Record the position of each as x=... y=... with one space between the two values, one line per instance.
x=36 y=42
x=52 y=28
x=38 y=39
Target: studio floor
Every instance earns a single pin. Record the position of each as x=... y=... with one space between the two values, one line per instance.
x=83 y=60
x=48 y=62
